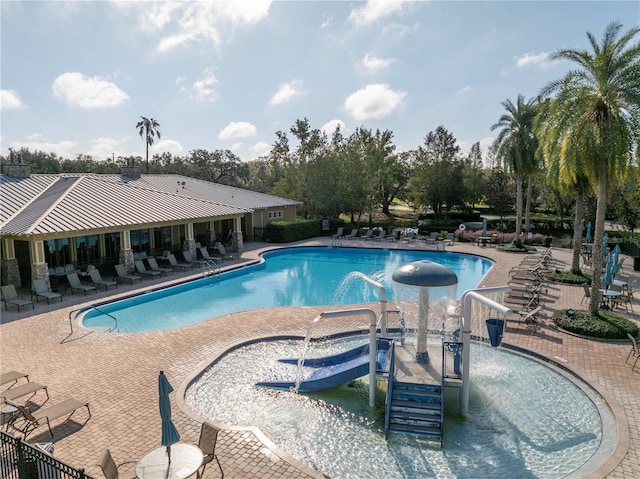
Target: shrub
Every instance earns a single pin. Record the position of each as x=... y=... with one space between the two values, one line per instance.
x=605 y=325
x=568 y=277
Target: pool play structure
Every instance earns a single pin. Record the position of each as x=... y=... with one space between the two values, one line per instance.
x=493 y=411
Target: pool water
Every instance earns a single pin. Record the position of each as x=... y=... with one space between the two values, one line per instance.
x=307 y=276
x=525 y=418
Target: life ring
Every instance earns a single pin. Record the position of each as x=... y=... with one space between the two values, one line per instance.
x=462 y=227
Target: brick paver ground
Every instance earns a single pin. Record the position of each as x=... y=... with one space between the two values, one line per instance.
x=117 y=373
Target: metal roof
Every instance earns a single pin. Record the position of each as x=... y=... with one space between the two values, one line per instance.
x=49 y=204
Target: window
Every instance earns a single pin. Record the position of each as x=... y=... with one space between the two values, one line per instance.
x=275 y=214
x=140 y=241
x=162 y=238
x=56 y=252
x=88 y=249
x=112 y=246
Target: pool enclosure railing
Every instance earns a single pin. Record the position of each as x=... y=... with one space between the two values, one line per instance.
x=21 y=460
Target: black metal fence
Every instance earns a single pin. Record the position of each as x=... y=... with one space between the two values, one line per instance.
x=20 y=460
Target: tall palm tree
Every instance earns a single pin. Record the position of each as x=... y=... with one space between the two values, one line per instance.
x=516 y=146
x=596 y=112
x=148 y=128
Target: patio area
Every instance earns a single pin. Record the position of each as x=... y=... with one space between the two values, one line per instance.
x=117 y=374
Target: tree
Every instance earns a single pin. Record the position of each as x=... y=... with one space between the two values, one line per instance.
x=596 y=110
x=516 y=146
x=499 y=192
x=148 y=129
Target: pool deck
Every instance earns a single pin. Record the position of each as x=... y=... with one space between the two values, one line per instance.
x=117 y=373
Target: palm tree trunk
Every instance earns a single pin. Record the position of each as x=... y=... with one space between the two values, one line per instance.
x=519 y=182
x=598 y=254
x=527 y=216
x=147 y=143
x=577 y=233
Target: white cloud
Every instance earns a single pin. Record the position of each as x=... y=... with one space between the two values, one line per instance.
x=398 y=31
x=202 y=89
x=330 y=126
x=10 y=100
x=168 y=146
x=261 y=148
x=372 y=63
x=36 y=141
x=287 y=92
x=80 y=90
x=375 y=10
x=105 y=148
x=373 y=101
x=199 y=21
x=540 y=60
x=466 y=89
x=237 y=129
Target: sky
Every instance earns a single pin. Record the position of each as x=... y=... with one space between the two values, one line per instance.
x=77 y=76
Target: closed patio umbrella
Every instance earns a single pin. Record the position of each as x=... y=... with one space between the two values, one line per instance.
x=170 y=434
x=607 y=278
x=484 y=226
x=588 y=235
x=605 y=244
x=616 y=259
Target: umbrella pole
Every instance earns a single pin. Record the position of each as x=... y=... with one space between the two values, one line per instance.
x=169 y=454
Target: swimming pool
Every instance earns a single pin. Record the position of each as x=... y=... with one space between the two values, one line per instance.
x=303 y=276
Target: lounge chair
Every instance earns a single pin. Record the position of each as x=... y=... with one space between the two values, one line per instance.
x=207 y=444
x=174 y=263
x=353 y=234
x=16 y=392
x=111 y=470
x=635 y=351
x=76 y=285
x=124 y=276
x=96 y=278
x=12 y=377
x=153 y=266
x=224 y=252
x=432 y=238
x=190 y=259
x=380 y=236
x=368 y=235
x=47 y=414
x=10 y=296
x=43 y=291
x=450 y=239
x=204 y=252
x=140 y=268
x=339 y=234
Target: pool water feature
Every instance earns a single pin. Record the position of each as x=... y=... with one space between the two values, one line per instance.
x=305 y=276
x=526 y=418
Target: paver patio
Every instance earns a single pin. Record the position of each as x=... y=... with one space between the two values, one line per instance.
x=117 y=373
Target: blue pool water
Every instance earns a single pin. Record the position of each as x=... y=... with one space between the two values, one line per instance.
x=309 y=276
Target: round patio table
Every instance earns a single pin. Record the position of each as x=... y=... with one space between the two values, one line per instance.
x=185 y=461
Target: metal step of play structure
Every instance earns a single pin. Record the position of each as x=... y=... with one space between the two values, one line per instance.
x=416 y=409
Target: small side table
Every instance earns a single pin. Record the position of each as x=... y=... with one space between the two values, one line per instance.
x=9 y=415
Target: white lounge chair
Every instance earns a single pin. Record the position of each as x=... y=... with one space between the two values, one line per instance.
x=140 y=268
x=153 y=266
x=225 y=254
x=10 y=296
x=43 y=291
x=174 y=263
x=76 y=285
x=96 y=278
x=123 y=275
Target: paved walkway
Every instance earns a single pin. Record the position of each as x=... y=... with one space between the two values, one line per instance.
x=117 y=373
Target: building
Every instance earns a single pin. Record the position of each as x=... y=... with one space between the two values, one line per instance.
x=51 y=220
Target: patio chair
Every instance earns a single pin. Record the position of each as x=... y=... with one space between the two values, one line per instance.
x=226 y=254
x=174 y=263
x=450 y=239
x=432 y=238
x=123 y=275
x=111 y=470
x=76 y=285
x=10 y=296
x=43 y=291
x=188 y=257
x=587 y=292
x=380 y=236
x=96 y=278
x=153 y=266
x=46 y=415
x=29 y=388
x=204 y=252
x=368 y=235
x=140 y=268
x=207 y=444
x=635 y=352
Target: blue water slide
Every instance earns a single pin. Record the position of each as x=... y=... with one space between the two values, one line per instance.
x=331 y=371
